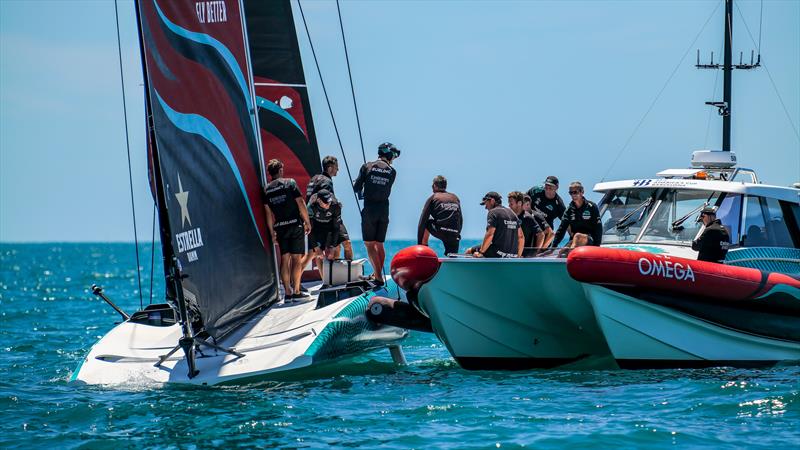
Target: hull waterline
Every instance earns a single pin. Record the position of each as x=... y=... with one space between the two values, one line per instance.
x=512 y=314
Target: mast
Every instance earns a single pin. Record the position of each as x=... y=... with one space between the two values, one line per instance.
x=725 y=106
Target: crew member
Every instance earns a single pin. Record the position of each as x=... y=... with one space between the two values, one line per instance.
x=287 y=221
x=582 y=218
x=534 y=236
x=541 y=219
x=441 y=217
x=547 y=200
x=712 y=245
x=325 y=213
x=374 y=185
x=324 y=180
x=503 y=238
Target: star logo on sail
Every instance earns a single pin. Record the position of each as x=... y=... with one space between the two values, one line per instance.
x=183 y=201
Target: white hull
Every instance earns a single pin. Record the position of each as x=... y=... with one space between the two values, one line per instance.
x=642 y=334
x=279 y=339
x=512 y=314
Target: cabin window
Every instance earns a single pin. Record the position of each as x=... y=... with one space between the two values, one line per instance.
x=792 y=214
x=633 y=206
x=675 y=219
x=765 y=225
x=729 y=214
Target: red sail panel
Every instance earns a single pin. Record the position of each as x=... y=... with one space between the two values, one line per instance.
x=206 y=143
x=284 y=112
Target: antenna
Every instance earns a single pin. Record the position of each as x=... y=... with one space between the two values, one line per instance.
x=724 y=107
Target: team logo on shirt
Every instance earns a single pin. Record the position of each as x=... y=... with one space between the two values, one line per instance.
x=587 y=215
x=190 y=240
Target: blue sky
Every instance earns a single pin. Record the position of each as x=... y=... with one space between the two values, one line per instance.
x=493 y=95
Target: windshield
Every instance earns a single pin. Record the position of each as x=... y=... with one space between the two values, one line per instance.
x=624 y=212
x=666 y=225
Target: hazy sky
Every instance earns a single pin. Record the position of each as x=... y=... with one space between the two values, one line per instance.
x=493 y=95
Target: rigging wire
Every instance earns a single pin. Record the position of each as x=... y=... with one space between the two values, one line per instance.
x=352 y=89
x=128 y=145
x=152 y=251
x=653 y=103
x=328 y=101
x=769 y=75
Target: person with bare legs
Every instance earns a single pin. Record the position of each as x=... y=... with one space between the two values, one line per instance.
x=287 y=220
x=581 y=219
x=324 y=180
x=374 y=185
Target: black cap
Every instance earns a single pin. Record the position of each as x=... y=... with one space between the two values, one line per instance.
x=324 y=195
x=388 y=149
x=494 y=195
x=712 y=210
x=551 y=180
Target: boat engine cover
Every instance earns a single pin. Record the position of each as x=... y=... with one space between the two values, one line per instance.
x=414 y=266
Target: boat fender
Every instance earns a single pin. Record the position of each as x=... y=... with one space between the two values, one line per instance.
x=414 y=266
x=397 y=313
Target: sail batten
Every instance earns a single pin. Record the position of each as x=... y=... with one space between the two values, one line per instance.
x=200 y=94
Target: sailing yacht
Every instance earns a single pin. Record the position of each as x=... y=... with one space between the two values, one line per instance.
x=216 y=109
x=601 y=305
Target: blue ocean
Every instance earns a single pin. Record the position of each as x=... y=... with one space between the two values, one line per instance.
x=49 y=319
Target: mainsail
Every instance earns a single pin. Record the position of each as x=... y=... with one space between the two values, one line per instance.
x=206 y=144
x=284 y=112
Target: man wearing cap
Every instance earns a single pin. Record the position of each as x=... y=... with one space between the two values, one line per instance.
x=503 y=238
x=547 y=200
x=582 y=218
x=287 y=221
x=441 y=217
x=324 y=180
x=374 y=185
x=712 y=245
x=325 y=213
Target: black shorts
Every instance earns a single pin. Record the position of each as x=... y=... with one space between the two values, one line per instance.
x=449 y=239
x=343 y=234
x=374 y=222
x=323 y=238
x=291 y=240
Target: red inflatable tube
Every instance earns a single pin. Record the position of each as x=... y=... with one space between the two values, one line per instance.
x=414 y=266
x=670 y=274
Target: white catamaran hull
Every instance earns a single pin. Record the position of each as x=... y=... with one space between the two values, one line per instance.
x=280 y=339
x=512 y=314
x=642 y=334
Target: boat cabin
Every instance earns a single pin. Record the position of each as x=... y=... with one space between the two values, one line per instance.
x=665 y=210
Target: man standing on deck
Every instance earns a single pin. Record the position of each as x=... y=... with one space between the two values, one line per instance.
x=441 y=217
x=547 y=200
x=713 y=244
x=324 y=180
x=374 y=185
x=503 y=238
x=534 y=236
x=582 y=218
x=325 y=213
x=287 y=221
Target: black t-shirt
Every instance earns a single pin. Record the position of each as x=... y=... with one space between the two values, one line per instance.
x=530 y=228
x=321 y=218
x=553 y=208
x=506 y=224
x=441 y=215
x=541 y=219
x=713 y=244
x=318 y=182
x=280 y=195
x=585 y=219
x=375 y=179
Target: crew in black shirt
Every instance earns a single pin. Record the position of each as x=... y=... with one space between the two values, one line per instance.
x=325 y=213
x=287 y=220
x=503 y=238
x=441 y=217
x=712 y=245
x=534 y=236
x=541 y=220
x=546 y=199
x=324 y=180
x=582 y=218
x=374 y=185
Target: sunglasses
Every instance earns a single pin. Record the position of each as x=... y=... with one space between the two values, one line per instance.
x=574 y=192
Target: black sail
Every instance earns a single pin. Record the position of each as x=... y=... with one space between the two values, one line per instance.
x=206 y=143
x=284 y=113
